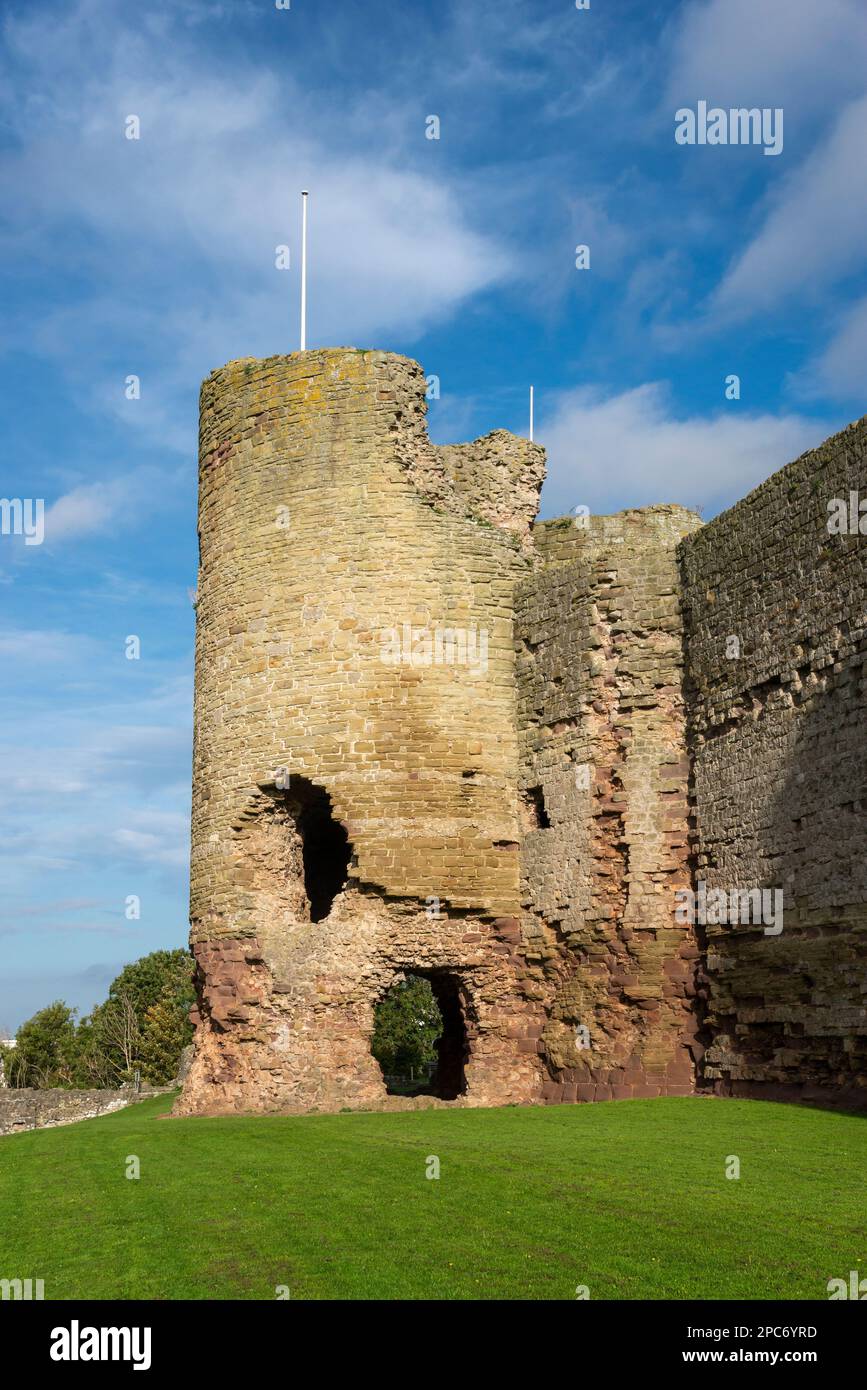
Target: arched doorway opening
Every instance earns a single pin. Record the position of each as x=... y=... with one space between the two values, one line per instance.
x=420 y=1035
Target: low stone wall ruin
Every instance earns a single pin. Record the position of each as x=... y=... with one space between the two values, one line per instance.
x=24 y=1108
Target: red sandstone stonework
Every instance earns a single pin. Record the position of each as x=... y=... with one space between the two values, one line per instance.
x=528 y=932
x=513 y=821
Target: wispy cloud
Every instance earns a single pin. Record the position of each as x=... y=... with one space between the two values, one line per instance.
x=814 y=232
x=599 y=445
x=214 y=177
x=839 y=370
x=792 y=53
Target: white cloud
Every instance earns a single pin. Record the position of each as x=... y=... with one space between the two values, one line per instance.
x=179 y=229
x=80 y=512
x=814 y=233
x=840 y=370
x=68 y=928
x=161 y=838
x=112 y=503
x=61 y=905
x=29 y=648
x=794 y=247
x=790 y=53
x=633 y=438
x=95 y=755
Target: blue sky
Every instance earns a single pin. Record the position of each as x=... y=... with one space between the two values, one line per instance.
x=156 y=258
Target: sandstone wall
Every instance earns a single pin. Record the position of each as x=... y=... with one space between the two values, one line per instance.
x=329 y=528
x=488 y=720
x=779 y=738
x=605 y=782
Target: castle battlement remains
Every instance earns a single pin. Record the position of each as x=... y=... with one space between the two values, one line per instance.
x=524 y=760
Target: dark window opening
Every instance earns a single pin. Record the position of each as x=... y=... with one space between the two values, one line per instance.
x=420 y=1036
x=536 y=815
x=325 y=846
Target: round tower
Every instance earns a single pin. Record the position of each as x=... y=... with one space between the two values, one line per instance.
x=355 y=775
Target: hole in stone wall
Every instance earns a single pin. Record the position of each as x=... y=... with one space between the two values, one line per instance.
x=420 y=1036
x=326 y=849
x=535 y=815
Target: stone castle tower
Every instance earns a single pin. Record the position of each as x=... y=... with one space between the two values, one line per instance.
x=433 y=737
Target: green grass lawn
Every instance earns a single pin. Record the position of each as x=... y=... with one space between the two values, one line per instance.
x=629 y=1198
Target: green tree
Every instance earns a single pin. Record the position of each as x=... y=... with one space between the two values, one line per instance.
x=167 y=1031
x=45 y=1053
x=145 y=981
x=8 y=1069
x=143 y=1024
x=94 y=1064
x=407 y=1024
x=110 y=1042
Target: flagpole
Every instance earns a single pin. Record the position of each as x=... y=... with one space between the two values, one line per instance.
x=531 y=414
x=304 y=271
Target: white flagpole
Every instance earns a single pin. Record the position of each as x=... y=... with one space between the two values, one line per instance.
x=304 y=271
x=531 y=414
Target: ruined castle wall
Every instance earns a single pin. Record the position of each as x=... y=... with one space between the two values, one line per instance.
x=23 y=1108
x=605 y=781
x=775 y=619
x=509 y=729
x=496 y=479
x=335 y=543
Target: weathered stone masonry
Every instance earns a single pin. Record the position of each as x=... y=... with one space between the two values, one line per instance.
x=22 y=1108
x=602 y=728
x=778 y=735
x=328 y=520
x=433 y=737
